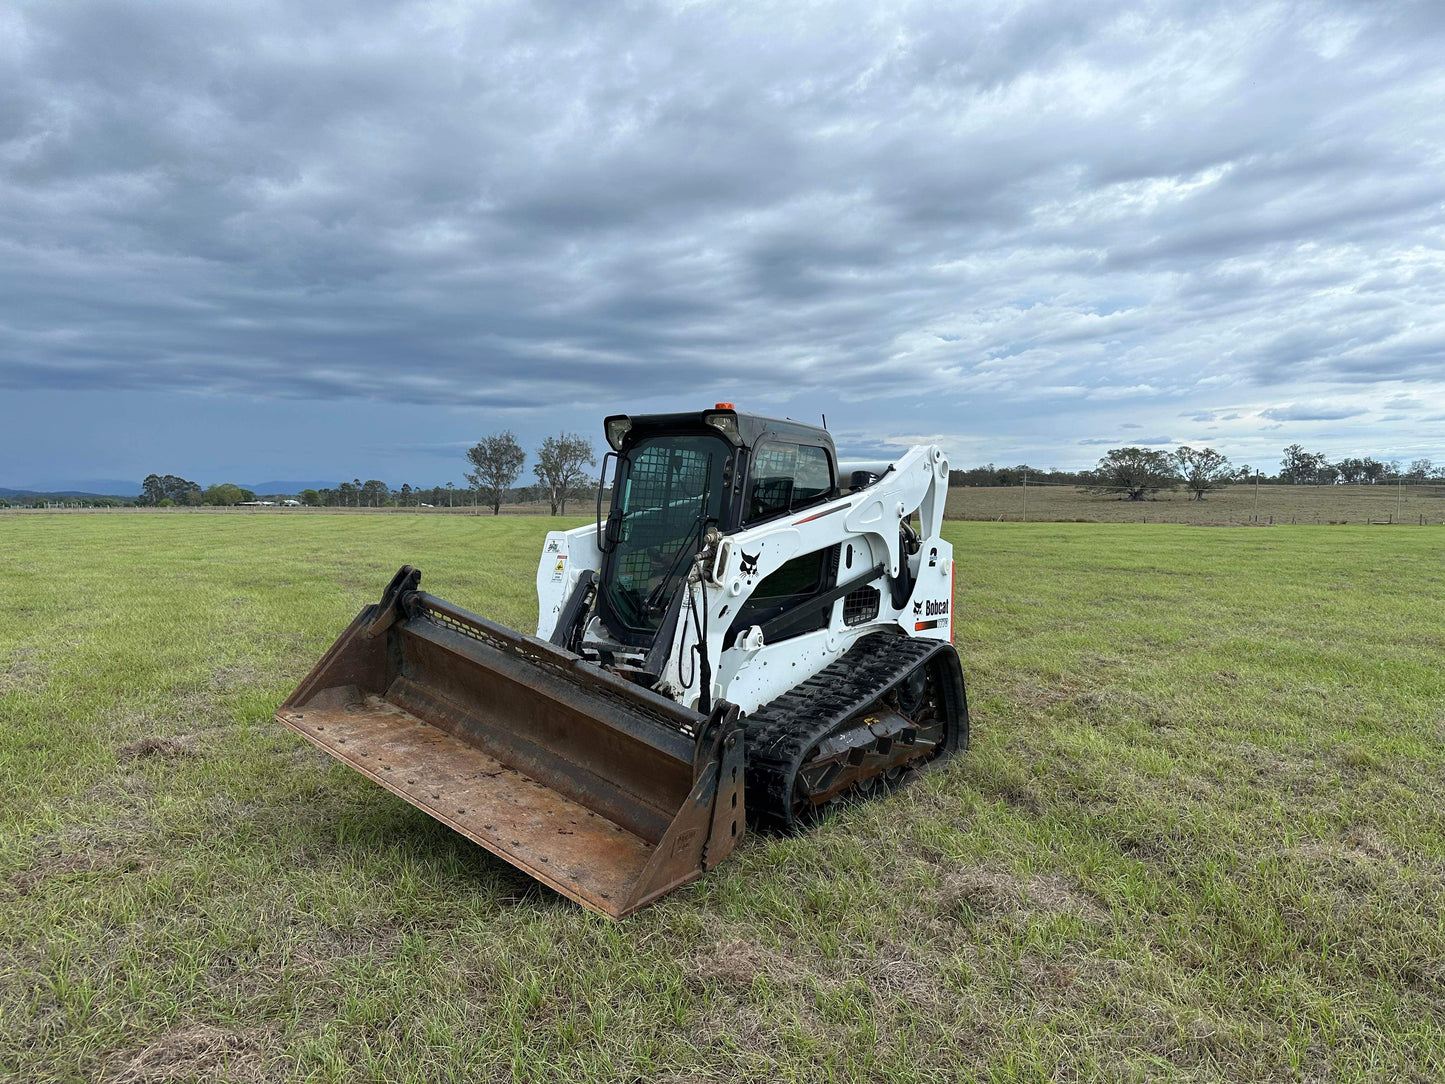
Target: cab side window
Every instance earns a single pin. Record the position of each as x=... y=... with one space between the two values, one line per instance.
x=787 y=476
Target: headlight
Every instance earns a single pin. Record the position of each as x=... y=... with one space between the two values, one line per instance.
x=727 y=422
x=617 y=428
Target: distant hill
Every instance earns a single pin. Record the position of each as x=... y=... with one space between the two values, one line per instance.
x=12 y=494
x=77 y=487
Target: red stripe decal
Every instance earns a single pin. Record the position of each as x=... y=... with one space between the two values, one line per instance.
x=820 y=515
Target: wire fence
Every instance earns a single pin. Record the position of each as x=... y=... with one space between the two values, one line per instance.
x=1234 y=505
x=1242 y=504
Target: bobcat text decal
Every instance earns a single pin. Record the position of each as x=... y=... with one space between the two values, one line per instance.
x=934 y=612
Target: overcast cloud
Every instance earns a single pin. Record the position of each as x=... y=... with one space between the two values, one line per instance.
x=296 y=239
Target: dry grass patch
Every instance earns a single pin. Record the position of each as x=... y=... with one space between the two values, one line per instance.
x=199 y=1052
x=167 y=748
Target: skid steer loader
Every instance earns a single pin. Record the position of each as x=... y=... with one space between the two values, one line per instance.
x=750 y=633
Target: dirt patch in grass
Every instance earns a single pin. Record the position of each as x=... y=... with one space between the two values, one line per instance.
x=22 y=672
x=1058 y=893
x=324 y=948
x=736 y=963
x=198 y=1052
x=1038 y=697
x=982 y=895
x=239 y=675
x=25 y=881
x=156 y=746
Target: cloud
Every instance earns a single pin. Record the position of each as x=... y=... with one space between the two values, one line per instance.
x=525 y=211
x=1307 y=412
x=1140 y=442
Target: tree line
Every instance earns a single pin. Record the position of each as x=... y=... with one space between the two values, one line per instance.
x=172 y=491
x=1136 y=473
x=495 y=463
x=1300 y=467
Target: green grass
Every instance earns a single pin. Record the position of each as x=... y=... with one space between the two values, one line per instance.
x=1200 y=834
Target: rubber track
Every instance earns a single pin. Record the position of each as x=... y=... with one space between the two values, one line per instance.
x=780 y=733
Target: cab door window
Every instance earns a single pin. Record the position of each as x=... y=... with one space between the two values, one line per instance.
x=787 y=476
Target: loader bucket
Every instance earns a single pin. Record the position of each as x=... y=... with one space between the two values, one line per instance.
x=608 y=792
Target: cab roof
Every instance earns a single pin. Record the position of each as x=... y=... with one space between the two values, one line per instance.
x=752 y=429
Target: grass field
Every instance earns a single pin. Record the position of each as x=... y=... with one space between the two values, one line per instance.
x=1200 y=834
x=1280 y=505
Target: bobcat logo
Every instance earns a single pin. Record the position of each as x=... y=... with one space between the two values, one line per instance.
x=917 y=608
x=750 y=563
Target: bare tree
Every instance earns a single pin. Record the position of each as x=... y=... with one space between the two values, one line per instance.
x=1136 y=471
x=560 y=460
x=498 y=461
x=1202 y=469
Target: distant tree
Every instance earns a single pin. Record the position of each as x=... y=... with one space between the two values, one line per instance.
x=1419 y=470
x=157 y=488
x=1299 y=467
x=497 y=460
x=1293 y=465
x=1138 y=472
x=560 y=460
x=152 y=492
x=1202 y=469
x=226 y=494
x=1373 y=470
x=375 y=493
x=1244 y=473
x=309 y=497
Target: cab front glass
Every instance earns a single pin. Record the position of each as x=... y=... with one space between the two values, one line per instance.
x=668 y=489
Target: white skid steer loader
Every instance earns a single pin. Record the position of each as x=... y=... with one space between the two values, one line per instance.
x=746 y=636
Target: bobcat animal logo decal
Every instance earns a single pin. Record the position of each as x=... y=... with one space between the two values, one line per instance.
x=917 y=608
x=750 y=563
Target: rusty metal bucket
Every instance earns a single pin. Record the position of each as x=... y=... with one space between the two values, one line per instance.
x=608 y=792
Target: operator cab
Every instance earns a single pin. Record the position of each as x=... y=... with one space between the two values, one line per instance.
x=676 y=477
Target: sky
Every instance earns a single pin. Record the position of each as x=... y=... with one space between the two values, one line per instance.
x=346 y=239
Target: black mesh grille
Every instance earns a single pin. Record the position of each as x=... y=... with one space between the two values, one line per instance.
x=670 y=479
x=860 y=606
